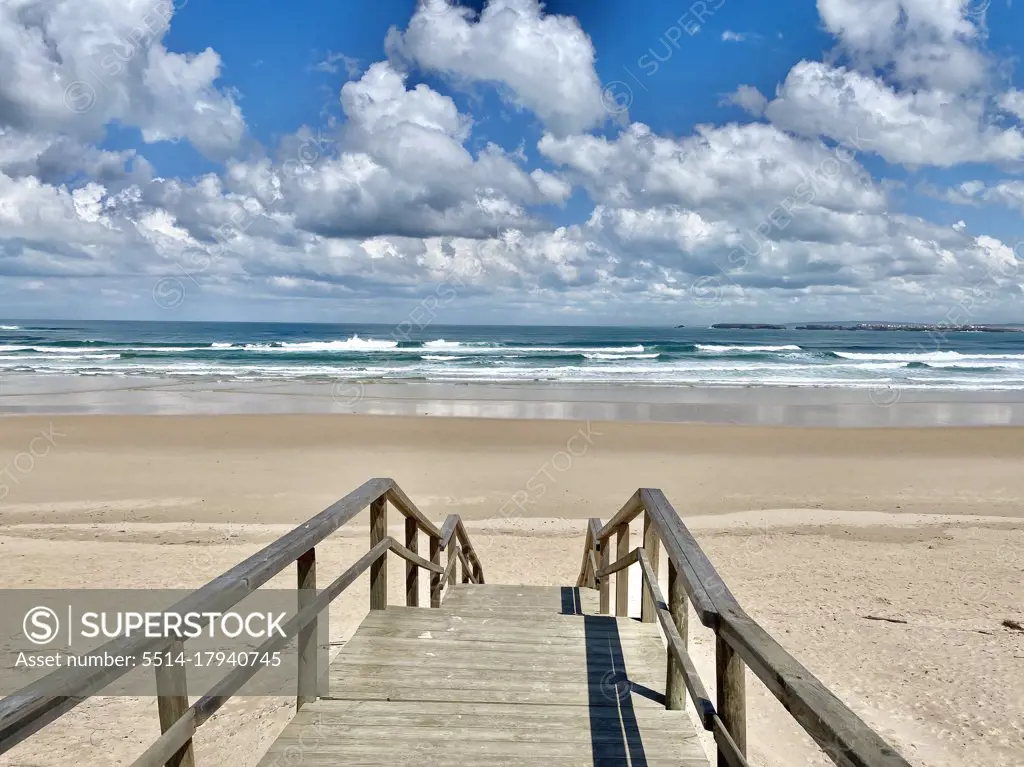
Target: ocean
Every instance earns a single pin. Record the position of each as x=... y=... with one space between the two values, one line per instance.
x=691 y=356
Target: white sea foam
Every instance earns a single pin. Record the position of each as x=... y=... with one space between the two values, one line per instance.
x=927 y=357
x=442 y=344
x=10 y=327
x=725 y=348
x=353 y=344
x=603 y=356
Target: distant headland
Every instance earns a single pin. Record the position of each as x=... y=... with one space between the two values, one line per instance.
x=906 y=326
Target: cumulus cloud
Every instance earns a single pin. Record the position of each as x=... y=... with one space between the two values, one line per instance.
x=541 y=62
x=404 y=193
x=922 y=127
x=73 y=66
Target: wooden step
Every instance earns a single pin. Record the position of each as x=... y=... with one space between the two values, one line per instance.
x=506 y=676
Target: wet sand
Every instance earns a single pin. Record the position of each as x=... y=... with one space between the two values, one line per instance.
x=883 y=405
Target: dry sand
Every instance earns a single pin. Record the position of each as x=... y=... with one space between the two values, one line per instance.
x=812 y=529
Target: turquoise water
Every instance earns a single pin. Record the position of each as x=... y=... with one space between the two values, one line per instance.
x=445 y=353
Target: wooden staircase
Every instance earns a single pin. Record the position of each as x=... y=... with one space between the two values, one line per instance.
x=487 y=675
x=499 y=675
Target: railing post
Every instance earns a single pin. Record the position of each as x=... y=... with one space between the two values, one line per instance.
x=412 y=570
x=732 y=696
x=652 y=546
x=604 y=584
x=172 y=700
x=435 y=578
x=307 y=648
x=379 y=569
x=453 y=572
x=675 y=687
x=622 y=576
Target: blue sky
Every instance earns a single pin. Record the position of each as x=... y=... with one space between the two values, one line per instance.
x=559 y=161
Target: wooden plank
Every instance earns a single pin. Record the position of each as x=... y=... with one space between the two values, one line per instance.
x=167 y=747
x=705 y=587
x=652 y=547
x=172 y=703
x=468 y=574
x=604 y=558
x=379 y=569
x=306 y=648
x=622 y=577
x=43 y=701
x=588 y=543
x=626 y=560
x=209 y=704
x=436 y=578
x=843 y=735
x=675 y=684
x=728 y=751
x=731 y=685
x=412 y=572
x=410 y=556
x=676 y=646
x=450 y=575
x=630 y=510
x=448 y=530
x=408 y=509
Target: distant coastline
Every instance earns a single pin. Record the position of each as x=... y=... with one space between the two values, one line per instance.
x=894 y=326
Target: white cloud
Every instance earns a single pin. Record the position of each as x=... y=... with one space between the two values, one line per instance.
x=728 y=36
x=374 y=212
x=73 y=66
x=923 y=43
x=542 y=62
x=922 y=127
x=749 y=98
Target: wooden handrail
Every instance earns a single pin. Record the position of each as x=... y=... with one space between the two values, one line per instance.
x=844 y=737
x=40 y=703
x=453 y=526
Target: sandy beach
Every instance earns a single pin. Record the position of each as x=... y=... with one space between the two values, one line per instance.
x=813 y=529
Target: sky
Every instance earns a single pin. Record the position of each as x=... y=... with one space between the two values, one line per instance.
x=512 y=161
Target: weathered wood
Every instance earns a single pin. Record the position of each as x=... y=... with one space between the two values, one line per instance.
x=603 y=559
x=676 y=646
x=407 y=508
x=727 y=748
x=306 y=648
x=172 y=702
x=448 y=529
x=588 y=543
x=622 y=577
x=652 y=547
x=675 y=685
x=621 y=564
x=37 y=705
x=411 y=556
x=166 y=747
x=844 y=736
x=436 y=578
x=731 y=685
x=412 y=571
x=630 y=510
x=592 y=569
x=443 y=694
x=705 y=587
x=450 y=576
x=379 y=569
x=467 y=547
x=210 y=703
x=467 y=569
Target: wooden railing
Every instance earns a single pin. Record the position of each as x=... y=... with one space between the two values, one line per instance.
x=739 y=641
x=39 y=704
